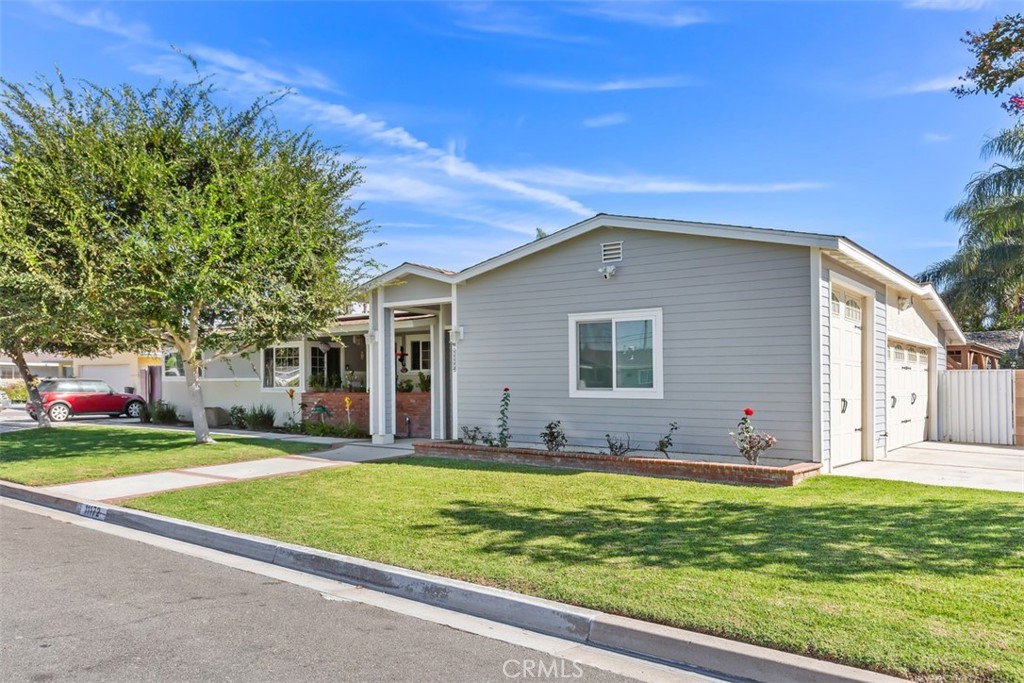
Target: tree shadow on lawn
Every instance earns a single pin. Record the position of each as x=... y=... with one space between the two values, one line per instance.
x=817 y=540
x=71 y=441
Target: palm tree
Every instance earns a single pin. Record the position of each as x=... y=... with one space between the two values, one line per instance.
x=983 y=282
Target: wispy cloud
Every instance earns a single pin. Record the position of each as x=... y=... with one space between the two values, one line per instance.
x=259 y=74
x=510 y=20
x=935 y=138
x=605 y=120
x=96 y=18
x=654 y=14
x=569 y=85
x=948 y=5
x=592 y=183
x=940 y=84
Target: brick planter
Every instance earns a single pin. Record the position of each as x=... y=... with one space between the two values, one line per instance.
x=412 y=405
x=722 y=473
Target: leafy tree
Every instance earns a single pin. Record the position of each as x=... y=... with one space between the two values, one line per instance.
x=984 y=280
x=56 y=258
x=999 y=62
x=231 y=233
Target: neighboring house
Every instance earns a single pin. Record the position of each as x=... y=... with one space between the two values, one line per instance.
x=119 y=370
x=622 y=325
x=994 y=345
x=39 y=364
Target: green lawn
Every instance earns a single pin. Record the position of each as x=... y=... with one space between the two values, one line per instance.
x=42 y=457
x=913 y=580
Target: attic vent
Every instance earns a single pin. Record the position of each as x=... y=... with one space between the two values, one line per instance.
x=611 y=252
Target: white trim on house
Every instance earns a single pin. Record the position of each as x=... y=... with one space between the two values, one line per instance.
x=817 y=359
x=602 y=220
x=657 y=391
x=867 y=379
x=406 y=269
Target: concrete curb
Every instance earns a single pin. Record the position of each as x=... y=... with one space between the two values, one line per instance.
x=576 y=624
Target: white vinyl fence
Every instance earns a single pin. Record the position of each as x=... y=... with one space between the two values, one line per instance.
x=977 y=406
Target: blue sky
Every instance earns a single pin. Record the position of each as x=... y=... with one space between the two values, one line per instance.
x=479 y=122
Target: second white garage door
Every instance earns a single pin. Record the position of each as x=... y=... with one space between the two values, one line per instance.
x=846 y=348
x=117 y=376
x=907 y=396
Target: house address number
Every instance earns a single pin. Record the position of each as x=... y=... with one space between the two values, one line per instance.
x=92 y=511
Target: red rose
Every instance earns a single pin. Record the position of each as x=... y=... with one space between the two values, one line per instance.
x=505 y=389
x=748 y=412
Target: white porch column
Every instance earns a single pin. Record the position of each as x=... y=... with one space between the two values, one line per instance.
x=380 y=348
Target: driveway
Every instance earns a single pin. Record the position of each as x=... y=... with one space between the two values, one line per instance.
x=998 y=468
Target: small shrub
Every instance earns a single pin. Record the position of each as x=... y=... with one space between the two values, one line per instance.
x=474 y=434
x=665 y=442
x=404 y=386
x=554 y=436
x=145 y=417
x=16 y=391
x=346 y=431
x=260 y=417
x=423 y=382
x=162 y=413
x=751 y=442
x=316 y=383
x=617 y=446
x=237 y=415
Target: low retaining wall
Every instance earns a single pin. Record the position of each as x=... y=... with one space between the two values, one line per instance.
x=718 y=472
x=414 y=405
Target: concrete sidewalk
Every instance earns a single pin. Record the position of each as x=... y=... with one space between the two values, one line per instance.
x=121 y=488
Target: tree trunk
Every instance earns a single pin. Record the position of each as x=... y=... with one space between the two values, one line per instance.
x=195 y=393
x=18 y=356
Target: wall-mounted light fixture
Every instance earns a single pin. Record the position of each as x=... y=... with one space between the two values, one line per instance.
x=904 y=302
x=606 y=271
x=460 y=333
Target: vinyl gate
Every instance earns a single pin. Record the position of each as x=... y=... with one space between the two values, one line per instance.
x=978 y=406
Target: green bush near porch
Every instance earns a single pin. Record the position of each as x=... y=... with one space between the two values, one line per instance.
x=918 y=581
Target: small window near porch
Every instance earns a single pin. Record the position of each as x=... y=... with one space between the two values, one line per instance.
x=420 y=355
x=281 y=367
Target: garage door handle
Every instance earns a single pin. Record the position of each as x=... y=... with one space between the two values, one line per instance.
x=843 y=404
x=893 y=401
x=913 y=399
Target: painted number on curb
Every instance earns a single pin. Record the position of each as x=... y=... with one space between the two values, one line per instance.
x=92 y=511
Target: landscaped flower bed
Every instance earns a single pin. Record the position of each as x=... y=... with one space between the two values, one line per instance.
x=723 y=473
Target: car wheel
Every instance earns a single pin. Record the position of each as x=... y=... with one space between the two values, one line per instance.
x=59 y=412
x=134 y=409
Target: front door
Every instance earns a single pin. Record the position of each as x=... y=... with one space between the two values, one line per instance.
x=846 y=352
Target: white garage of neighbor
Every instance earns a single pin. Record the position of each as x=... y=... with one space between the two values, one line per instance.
x=117 y=376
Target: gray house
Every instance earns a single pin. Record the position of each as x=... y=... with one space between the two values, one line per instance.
x=623 y=325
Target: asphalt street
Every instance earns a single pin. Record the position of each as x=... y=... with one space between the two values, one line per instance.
x=78 y=604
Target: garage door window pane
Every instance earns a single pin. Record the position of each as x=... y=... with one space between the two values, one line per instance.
x=634 y=348
x=595 y=355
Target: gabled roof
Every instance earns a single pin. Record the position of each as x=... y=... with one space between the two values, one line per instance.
x=1001 y=340
x=846 y=249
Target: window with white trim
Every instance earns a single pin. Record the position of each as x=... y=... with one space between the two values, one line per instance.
x=420 y=356
x=616 y=354
x=835 y=305
x=281 y=367
x=897 y=352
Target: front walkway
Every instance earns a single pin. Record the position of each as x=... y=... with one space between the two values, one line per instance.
x=121 y=488
x=997 y=468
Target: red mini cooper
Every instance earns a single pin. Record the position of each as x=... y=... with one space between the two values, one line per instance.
x=63 y=398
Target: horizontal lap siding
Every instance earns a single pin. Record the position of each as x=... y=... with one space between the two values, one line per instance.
x=736 y=321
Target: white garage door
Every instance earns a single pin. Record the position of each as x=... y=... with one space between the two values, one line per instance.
x=906 y=419
x=117 y=376
x=846 y=353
